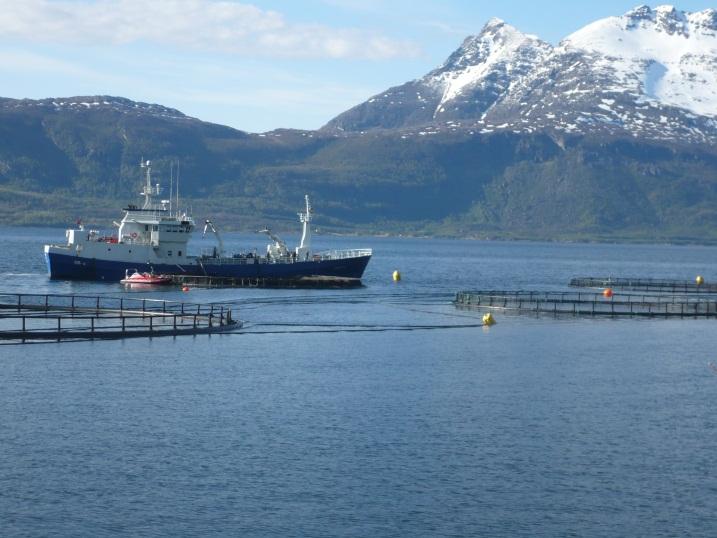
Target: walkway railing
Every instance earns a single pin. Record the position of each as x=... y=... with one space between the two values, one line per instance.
x=28 y=317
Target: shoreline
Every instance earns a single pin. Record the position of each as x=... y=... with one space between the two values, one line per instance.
x=507 y=237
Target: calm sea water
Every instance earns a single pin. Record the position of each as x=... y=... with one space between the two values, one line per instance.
x=534 y=427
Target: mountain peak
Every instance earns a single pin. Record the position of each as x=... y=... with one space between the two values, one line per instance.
x=493 y=28
x=705 y=21
x=493 y=22
x=642 y=11
x=483 y=67
x=660 y=32
x=665 y=18
x=645 y=12
x=496 y=38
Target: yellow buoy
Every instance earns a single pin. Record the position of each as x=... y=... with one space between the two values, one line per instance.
x=396 y=276
x=699 y=280
x=488 y=319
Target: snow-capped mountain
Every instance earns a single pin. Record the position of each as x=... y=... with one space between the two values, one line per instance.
x=468 y=83
x=651 y=73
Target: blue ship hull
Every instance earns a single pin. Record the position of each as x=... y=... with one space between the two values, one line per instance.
x=64 y=267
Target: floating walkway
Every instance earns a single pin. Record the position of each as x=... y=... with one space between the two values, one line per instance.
x=266 y=282
x=661 y=285
x=588 y=304
x=35 y=317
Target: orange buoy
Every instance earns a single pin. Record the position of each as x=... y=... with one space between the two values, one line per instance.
x=607 y=293
x=185 y=288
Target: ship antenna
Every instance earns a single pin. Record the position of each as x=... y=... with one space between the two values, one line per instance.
x=171 y=187
x=177 y=187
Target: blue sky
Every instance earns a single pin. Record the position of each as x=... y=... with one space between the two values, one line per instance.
x=255 y=65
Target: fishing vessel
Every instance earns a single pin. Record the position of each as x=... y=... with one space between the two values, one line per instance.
x=153 y=239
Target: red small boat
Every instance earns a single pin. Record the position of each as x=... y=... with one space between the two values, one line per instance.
x=145 y=278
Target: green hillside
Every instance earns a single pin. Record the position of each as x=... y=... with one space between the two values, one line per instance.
x=58 y=164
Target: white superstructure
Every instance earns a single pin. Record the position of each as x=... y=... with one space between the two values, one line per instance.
x=152 y=234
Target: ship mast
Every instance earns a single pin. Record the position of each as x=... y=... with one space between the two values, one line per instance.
x=302 y=251
x=147 y=191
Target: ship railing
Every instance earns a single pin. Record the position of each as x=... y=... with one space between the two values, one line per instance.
x=148 y=214
x=102 y=236
x=208 y=257
x=129 y=240
x=158 y=215
x=125 y=239
x=342 y=254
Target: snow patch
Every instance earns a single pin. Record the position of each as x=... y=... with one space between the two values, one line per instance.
x=663 y=54
x=654 y=75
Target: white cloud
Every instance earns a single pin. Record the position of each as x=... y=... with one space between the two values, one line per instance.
x=448 y=28
x=29 y=62
x=209 y=25
x=358 y=5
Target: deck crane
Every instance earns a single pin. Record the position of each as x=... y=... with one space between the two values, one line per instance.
x=278 y=249
x=209 y=225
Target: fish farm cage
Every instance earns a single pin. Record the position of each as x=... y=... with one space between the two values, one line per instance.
x=660 y=285
x=588 y=303
x=28 y=318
